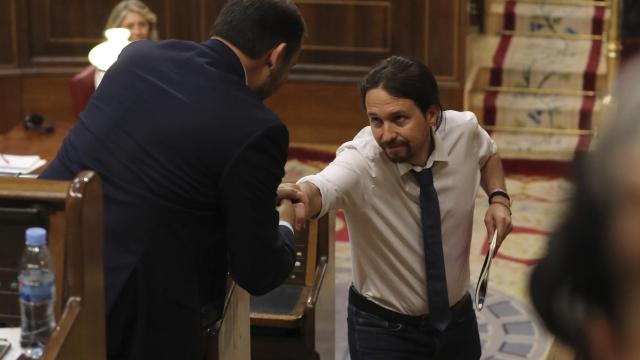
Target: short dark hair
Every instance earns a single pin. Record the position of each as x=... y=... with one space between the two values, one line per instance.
x=406 y=78
x=256 y=26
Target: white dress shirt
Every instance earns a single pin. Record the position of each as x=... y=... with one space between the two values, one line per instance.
x=381 y=202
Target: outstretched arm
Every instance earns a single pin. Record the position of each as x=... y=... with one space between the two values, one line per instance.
x=307 y=200
x=336 y=185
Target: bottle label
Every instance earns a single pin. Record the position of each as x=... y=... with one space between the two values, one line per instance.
x=36 y=287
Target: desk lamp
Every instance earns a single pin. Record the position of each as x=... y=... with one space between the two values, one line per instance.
x=103 y=55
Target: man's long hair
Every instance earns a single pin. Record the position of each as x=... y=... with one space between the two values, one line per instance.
x=405 y=78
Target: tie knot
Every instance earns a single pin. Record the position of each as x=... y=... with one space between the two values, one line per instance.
x=424 y=177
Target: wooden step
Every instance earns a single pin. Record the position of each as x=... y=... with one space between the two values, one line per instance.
x=540 y=63
x=545 y=18
x=535 y=113
x=544 y=147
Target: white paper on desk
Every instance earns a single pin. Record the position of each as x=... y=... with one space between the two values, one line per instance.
x=13 y=335
x=483 y=279
x=20 y=164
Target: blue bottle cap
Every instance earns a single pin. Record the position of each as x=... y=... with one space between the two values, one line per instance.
x=36 y=236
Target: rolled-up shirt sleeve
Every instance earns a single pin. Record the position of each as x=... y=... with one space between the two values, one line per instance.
x=484 y=144
x=341 y=182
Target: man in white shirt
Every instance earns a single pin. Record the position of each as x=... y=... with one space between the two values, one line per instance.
x=404 y=304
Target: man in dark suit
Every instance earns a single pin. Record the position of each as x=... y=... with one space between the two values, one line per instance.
x=190 y=160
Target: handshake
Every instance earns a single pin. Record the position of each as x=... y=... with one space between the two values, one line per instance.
x=292 y=203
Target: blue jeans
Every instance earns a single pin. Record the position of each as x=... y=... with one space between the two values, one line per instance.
x=371 y=337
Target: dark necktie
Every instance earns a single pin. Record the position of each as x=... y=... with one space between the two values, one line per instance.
x=434 y=259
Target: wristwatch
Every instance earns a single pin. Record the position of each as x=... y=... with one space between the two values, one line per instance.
x=499 y=192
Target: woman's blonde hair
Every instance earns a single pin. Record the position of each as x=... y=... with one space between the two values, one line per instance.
x=120 y=11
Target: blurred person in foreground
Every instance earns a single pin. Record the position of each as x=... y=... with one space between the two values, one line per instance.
x=587 y=288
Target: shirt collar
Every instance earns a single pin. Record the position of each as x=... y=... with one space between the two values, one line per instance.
x=440 y=153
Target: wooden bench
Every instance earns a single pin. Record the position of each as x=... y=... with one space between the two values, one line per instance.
x=72 y=214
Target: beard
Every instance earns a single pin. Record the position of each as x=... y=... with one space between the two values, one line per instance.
x=398 y=151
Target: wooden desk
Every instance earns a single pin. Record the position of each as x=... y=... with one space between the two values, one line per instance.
x=19 y=141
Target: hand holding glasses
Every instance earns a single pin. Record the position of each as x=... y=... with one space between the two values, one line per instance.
x=483 y=279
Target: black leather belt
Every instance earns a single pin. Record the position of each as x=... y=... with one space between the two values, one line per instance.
x=363 y=304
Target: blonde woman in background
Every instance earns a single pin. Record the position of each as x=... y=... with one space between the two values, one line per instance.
x=135 y=16
x=130 y=14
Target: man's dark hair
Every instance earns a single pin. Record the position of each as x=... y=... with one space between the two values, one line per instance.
x=256 y=26
x=402 y=77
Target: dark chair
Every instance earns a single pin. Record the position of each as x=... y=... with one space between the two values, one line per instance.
x=82 y=87
x=283 y=321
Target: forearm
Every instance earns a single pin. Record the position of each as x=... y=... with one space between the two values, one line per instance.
x=498 y=216
x=315 y=198
x=260 y=253
x=265 y=262
x=492 y=175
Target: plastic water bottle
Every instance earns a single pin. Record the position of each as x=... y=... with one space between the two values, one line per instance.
x=37 y=294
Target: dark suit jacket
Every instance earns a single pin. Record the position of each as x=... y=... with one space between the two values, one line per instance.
x=190 y=160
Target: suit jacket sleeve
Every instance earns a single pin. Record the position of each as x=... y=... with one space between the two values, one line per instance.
x=261 y=254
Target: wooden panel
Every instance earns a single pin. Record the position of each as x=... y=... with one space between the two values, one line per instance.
x=446 y=28
x=72 y=20
x=7 y=34
x=186 y=19
x=183 y=20
x=46 y=95
x=346 y=37
x=160 y=8
x=49 y=96
x=331 y=113
x=353 y=21
x=209 y=10
x=451 y=95
x=63 y=31
x=320 y=112
x=10 y=102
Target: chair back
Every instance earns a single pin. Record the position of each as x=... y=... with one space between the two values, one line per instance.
x=82 y=87
x=72 y=214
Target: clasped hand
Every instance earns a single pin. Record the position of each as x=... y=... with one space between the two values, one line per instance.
x=291 y=203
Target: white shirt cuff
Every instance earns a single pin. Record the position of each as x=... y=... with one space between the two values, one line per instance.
x=285 y=223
